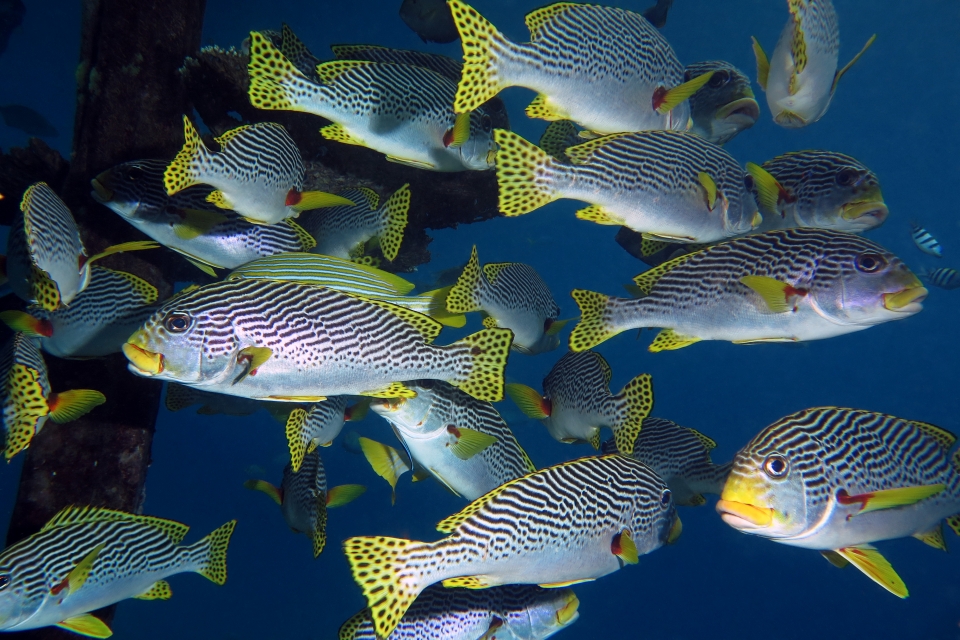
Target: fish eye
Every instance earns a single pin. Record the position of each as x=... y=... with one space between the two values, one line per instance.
x=665 y=497
x=748 y=181
x=775 y=466
x=870 y=262
x=486 y=123
x=719 y=78
x=846 y=177
x=176 y=322
x=4 y=580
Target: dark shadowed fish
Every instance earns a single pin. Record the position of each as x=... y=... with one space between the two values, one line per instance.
x=11 y=15
x=21 y=117
x=657 y=14
x=429 y=19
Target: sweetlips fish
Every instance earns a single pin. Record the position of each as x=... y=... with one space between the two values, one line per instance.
x=573 y=522
x=400 y=110
x=607 y=69
x=27 y=398
x=779 y=286
x=680 y=456
x=725 y=105
x=511 y=295
x=288 y=342
x=837 y=480
x=318 y=425
x=801 y=76
x=178 y=397
x=667 y=185
x=258 y=173
x=510 y=612
x=304 y=498
x=461 y=441
x=576 y=402
x=206 y=235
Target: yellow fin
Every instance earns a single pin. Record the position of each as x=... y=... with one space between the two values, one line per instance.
x=470 y=442
x=568 y=583
x=775 y=294
x=136 y=245
x=670 y=340
x=344 y=494
x=600 y=215
x=203 y=266
x=769 y=190
x=933 y=537
x=876 y=567
x=70 y=405
x=392 y=390
x=387 y=462
x=557 y=326
x=637 y=397
x=25 y=395
x=459 y=132
x=648 y=246
x=710 y=186
x=646 y=280
x=523 y=174
x=486 y=355
x=763 y=64
x=463 y=296
x=410 y=162
x=890 y=498
x=197 y=222
x=667 y=101
x=528 y=400
x=297 y=441
x=624 y=548
x=437 y=308
x=696 y=500
x=250 y=358
x=557 y=137
x=87 y=625
x=581 y=153
x=23 y=322
x=338 y=133
x=299 y=399
x=835 y=559
x=480 y=80
x=45 y=291
x=272 y=491
x=214 y=566
x=319 y=199
x=159 y=590
x=329 y=71
x=489 y=322
x=708 y=443
x=954 y=523
x=182 y=172
x=944 y=438
x=466 y=582
x=450 y=523
x=839 y=74
x=593 y=327
x=145 y=292
x=798 y=46
x=536 y=19
x=274 y=82
x=79 y=574
x=307 y=241
x=541 y=109
x=595 y=440
x=175 y=531
x=394 y=213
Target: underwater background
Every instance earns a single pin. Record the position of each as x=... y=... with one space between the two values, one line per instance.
x=896 y=111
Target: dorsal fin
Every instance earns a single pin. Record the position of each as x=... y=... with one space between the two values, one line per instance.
x=708 y=443
x=798 y=46
x=328 y=72
x=307 y=241
x=224 y=138
x=427 y=327
x=175 y=531
x=370 y=196
x=943 y=437
x=146 y=292
x=581 y=153
x=646 y=280
x=493 y=269
x=604 y=367
x=536 y=19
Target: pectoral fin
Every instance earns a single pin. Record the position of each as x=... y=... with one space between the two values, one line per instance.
x=250 y=359
x=159 y=590
x=469 y=442
x=779 y=297
x=344 y=494
x=763 y=64
x=889 y=498
x=86 y=625
x=197 y=222
x=846 y=68
x=624 y=548
x=528 y=400
x=669 y=340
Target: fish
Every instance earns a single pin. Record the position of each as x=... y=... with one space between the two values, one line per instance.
x=47 y=263
x=27 y=398
x=520 y=612
x=668 y=185
x=340 y=231
x=607 y=69
x=511 y=295
x=429 y=19
x=206 y=235
x=288 y=342
x=576 y=402
x=318 y=425
x=942 y=277
x=27 y=120
x=815 y=188
x=304 y=498
x=680 y=456
x=178 y=397
x=87 y=558
x=924 y=241
x=97 y=322
x=725 y=105
x=258 y=173
x=11 y=15
x=558 y=137
x=836 y=480
x=801 y=76
x=460 y=441
x=780 y=286
x=293 y=48
x=402 y=111
x=657 y=14
x=564 y=524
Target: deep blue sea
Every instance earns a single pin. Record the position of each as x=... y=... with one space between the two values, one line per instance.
x=896 y=111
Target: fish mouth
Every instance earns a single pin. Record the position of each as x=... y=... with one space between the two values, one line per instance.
x=740 y=515
x=789 y=120
x=905 y=301
x=568 y=614
x=675 y=531
x=100 y=193
x=744 y=111
x=145 y=363
x=859 y=210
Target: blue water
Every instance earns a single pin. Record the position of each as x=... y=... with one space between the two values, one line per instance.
x=896 y=111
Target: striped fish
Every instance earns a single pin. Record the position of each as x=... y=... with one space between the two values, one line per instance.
x=460 y=441
x=669 y=185
x=283 y=341
x=821 y=189
x=350 y=277
x=681 y=457
x=517 y=612
x=577 y=403
x=318 y=425
x=836 y=480
x=400 y=110
x=779 y=286
x=341 y=231
x=572 y=522
x=258 y=173
x=179 y=397
x=27 y=398
x=304 y=498
x=511 y=295
x=607 y=69
x=206 y=235
x=801 y=76
x=725 y=105
x=943 y=277
x=924 y=241
x=87 y=558
x=96 y=323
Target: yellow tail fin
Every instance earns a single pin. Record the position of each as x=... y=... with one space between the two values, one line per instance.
x=182 y=172
x=523 y=174
x=214 y=567
x=638 y=396
x=462 y=297
x=275 y=84
x=395 y=215
x=488 y=352
x=593 y=327
x=480 y=80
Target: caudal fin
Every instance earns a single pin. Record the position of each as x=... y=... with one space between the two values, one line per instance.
x=524 y=173
x=480 y=79
x=463 y=297
x=394 y=214
x=183 y=171
x=486 y=359
x=637 y=399
x=275 y=83
x=210 y=554
x=594 y=327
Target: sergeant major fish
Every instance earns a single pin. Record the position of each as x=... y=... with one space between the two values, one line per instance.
x=924 y=241
x=942 y=277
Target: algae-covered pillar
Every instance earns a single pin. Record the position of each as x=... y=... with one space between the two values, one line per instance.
x=130 y=103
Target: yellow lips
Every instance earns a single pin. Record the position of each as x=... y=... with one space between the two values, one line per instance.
x=103 y=194
x=854 y=210
x=675 y=531
x=147 y=362
x=905 y=298
x=757 y=516
x=568 y=612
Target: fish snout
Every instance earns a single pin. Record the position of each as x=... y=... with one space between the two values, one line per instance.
x=744 y=112
x=100 y=192
x=906 y=300
x=146 y=363
x=740 y=515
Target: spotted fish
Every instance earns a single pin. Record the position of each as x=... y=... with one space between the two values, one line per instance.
x=511 y=295
x=836 y=480
x=318 y=425
x=178 y=397
x=607 y=69
x=572 y=522
x=283 y=341
x=87 y=558
x=304 y=499
x=725 y=105
x=576 y=402
x=801 y=76
x=668 y=185
x=779 y=286
x=942 y=277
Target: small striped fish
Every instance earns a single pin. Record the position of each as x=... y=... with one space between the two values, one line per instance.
x=402 y=111
x=577 y=403
x=511 y=295
x=801 y=76
x=836 y=480
x=318 y=425
x=943 y=277
x=304 y=498
x=681 y=457
x=572 y=522
x=725 y=105
x=258 y=173
x=821 y=189
x=27 y=399
x=511 y=612
x=206 y=235
x=288 y=342
x=669 y=185
x=87 y=558
x=179 y=397
x=924 y=241
x=460 y=441
x=779 y=286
